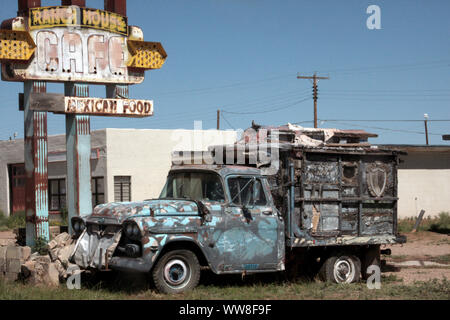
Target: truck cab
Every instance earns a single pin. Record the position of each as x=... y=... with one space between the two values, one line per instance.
x=220 y=217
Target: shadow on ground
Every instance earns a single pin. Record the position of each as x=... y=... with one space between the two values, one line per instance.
x=133 y=283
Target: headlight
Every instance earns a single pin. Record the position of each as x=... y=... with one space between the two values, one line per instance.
x=129 y=230
x=78 y=226
x=135 y=231
x=132 y=230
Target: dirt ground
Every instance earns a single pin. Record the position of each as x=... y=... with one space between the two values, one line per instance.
x=429 y=250
x=420 y=248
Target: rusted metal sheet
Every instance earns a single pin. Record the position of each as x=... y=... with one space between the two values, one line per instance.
x=74 y=16
x=117 y=6
x=58 y=103
x=78 y=141
x=76 y=55
x=36 y=162
x=25 y=5
x=77 y=44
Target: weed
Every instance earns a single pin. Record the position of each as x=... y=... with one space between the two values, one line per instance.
x=40 y=246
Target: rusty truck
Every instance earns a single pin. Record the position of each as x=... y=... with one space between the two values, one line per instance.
x=280 y=199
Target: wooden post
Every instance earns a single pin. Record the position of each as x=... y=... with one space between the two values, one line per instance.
x=418 y=221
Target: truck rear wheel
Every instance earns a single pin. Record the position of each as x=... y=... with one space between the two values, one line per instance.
x=341 y=268
x=177 y=271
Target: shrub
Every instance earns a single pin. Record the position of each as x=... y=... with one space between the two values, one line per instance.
x=3 y=222
x=17 y=220
x=442 y=224
x=40 y=246
x=439 y=224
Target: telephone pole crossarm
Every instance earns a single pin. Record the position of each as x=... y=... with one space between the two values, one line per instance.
x=315 y=78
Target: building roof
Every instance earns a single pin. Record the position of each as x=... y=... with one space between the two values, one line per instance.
x=417 y=147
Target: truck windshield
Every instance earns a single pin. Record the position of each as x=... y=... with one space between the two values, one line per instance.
x=194 y=186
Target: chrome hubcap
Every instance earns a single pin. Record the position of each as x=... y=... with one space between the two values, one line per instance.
x=175 y=272
x=343 y=271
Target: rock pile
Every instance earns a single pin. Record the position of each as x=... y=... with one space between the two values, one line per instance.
x=48 y=270
x=11 y=260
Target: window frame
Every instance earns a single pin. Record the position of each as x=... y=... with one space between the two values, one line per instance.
x=59 y=194
x=121 y=189
x=95 y=193
x=261 y=181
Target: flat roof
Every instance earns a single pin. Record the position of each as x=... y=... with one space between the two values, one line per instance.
x=417 y=147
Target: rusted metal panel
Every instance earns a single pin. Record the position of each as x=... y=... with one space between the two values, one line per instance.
x=76 y=55
x=78 y=141
x=117 y=6
x=36 y=162
x=58 y=103
x=79 y=3
x=25 y=5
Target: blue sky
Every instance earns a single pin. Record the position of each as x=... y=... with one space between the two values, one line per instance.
x=243 y=56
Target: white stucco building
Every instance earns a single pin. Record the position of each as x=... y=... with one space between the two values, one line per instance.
x=131 y=164
x=126 y=164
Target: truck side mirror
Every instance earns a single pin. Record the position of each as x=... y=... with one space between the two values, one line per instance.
x=204 y=212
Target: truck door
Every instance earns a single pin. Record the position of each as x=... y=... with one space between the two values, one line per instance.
x=254 y=237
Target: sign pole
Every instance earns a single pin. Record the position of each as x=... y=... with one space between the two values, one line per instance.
x=78 y=144
x=36 y=162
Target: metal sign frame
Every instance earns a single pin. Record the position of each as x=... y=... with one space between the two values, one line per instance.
x=77 y=46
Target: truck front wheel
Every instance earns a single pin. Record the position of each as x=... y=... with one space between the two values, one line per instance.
x=177 y=272
x=341 y=268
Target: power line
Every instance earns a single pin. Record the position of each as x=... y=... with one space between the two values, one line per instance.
x=267 y=111
x=233 y=85
x=385 y=120
x=386 y=129
x=229 y=124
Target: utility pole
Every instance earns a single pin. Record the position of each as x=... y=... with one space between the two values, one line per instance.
x=218 y=119
x=426 y=126
x=315 y=92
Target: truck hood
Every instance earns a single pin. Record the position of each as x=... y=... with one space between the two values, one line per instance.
x=116 y=213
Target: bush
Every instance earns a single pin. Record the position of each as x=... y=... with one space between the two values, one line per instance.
x=439 y=224
x=18 y=220
x=3 y=222
x=40 y=247
x=442 y=224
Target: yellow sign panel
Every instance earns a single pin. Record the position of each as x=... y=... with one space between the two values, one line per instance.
x=16 y=45
x=73 y=16
x=146 y=55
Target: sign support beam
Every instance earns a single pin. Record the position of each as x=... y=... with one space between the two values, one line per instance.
x=78 y=144
x=36 y=162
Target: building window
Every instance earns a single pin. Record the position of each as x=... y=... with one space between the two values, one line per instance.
x=122 y=189
x=98 y=191
x=57 y=194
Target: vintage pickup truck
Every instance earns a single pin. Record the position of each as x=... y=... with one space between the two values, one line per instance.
x=325 y=206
